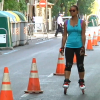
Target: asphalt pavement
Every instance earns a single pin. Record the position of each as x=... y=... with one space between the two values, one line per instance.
x=46 y=52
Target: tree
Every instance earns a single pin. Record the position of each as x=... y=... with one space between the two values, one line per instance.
x=27 y=1
x=11 y=5
x=22 y=5
x=61 y=6
x=85 y=6
x=96 y=6
x=1 y=4
x=15 y=5
x=67 y=5
x=56 y=8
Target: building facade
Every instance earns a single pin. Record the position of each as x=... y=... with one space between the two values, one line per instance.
x=35 y=10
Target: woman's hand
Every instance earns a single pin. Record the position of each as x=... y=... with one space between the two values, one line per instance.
x=82 y=51
x=62 y=51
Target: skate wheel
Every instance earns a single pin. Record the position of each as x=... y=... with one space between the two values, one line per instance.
x=83 y=91
x=65 y=91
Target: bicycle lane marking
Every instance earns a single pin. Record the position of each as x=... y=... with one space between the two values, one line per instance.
x=44 y=41
x=10 y=52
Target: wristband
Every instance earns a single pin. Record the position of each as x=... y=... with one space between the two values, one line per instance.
x=61 y=49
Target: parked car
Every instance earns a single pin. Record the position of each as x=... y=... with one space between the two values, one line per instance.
x=65 y=18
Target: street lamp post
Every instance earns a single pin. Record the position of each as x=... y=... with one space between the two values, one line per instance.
x=46 y=16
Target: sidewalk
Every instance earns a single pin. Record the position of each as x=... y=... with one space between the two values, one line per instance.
x=43 y=35
x=89 y=30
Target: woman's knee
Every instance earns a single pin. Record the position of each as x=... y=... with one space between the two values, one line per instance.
x=68 y=67
x=80 y=67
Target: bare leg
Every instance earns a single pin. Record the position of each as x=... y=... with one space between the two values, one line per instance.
x=81 y=75
x=67 y=74
x=67 y=81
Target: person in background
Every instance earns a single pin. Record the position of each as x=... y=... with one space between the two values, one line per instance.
x=33 y=18
x=60 y=23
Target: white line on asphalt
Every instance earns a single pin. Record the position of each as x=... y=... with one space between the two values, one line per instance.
x=50 y=75
x=10 y=52
x=47 y=82
x=43 y=75
x=44 y=41
x=25 y=95
x=30 y=56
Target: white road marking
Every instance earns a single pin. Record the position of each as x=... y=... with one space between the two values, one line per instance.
x=47 y=82
x=44 y=41
x=43 y=75
x=31 y=56
x=10 y=52
x=25 y=95
x=50 y=75
x=42 y=82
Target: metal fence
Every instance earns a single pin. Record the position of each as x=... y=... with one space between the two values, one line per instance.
x=37 y=28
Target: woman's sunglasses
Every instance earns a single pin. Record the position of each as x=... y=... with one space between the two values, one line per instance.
x=71 y=10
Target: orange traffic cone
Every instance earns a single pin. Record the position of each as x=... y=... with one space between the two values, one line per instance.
x=98 y=39
x=34 y=84
x=74 y=59
x=94 y=42
x=89 y=44
x=60 y=66
x=6 y=91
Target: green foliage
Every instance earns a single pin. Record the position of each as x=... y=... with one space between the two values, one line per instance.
x=11 y=5
x=22 y=5
x=0 y=0
x=67 y=5
x=56 y=8
x=61 y=6
x=15 y=5
x=85 y=6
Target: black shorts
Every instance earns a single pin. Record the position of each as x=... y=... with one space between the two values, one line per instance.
x=69 y=55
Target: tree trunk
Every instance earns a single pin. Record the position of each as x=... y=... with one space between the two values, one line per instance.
x=1 y=5
x=65 y=11
x=56 y=1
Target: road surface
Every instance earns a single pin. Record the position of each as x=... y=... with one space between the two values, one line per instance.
x=46 y=53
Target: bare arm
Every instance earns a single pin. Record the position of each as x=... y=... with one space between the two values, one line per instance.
x=83 y=33
x=64 y=36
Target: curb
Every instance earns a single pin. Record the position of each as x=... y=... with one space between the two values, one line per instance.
x=6 y=48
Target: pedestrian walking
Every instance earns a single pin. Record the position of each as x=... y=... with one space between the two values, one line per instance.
x=74 y=38
x=33 y=18
x=60 y=24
